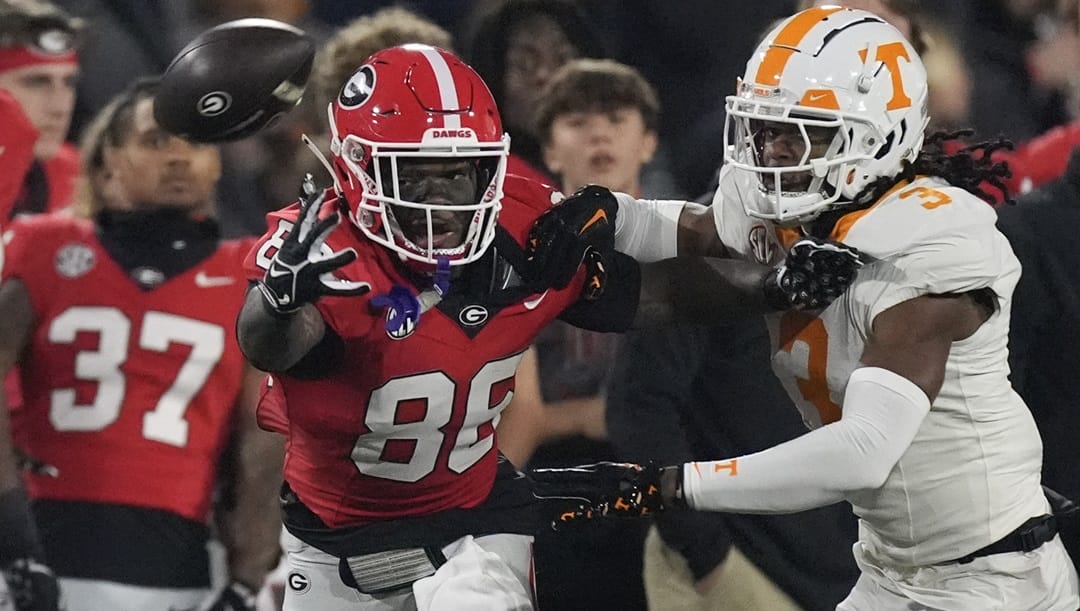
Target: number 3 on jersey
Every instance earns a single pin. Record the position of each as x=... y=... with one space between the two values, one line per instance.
x=165 y=423
x=804 y=337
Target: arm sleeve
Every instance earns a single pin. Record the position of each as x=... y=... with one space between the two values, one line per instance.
x=647 y=229
x=617 y=305
x=882 y=412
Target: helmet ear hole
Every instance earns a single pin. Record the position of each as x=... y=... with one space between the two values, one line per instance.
x=885 y=148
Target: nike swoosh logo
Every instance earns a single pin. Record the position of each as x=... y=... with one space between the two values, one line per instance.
x=814 y=97
x=277 y=272
x=532 y=303
x=598 y=216
x=204 y=281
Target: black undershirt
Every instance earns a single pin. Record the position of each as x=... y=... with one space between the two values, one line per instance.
x=156 y=244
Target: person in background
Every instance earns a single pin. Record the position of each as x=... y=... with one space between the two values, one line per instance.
x=1046 y=322
x=123 y=324
x=597 y=122
x=39 y=68
x=516 y=46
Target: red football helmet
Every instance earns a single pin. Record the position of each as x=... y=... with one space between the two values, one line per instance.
x=419 y=106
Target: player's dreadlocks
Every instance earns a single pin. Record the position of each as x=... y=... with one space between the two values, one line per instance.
x=969 y=168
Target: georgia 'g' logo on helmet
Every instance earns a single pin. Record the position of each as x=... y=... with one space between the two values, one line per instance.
x=850 y=86
x=359 y=87
x=417 y=102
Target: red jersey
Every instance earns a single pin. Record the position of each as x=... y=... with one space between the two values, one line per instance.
x=406 y=426
x=128 y=392
x=17 y=137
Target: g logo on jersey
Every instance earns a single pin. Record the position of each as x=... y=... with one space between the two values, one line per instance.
x=473 y=315
x=298 y=582
x=359 y=88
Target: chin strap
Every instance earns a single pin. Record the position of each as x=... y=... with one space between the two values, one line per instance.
x=405 y=307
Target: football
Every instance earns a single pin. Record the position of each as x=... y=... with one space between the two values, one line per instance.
x=234 y=79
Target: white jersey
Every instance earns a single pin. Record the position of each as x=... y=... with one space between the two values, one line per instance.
x=972 y=473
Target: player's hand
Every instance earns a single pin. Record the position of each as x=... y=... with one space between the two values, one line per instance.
x=584 y=493
x=580 y=229
x=234 y=597
x=300 y=272
x=31 y=585
x=814 y=273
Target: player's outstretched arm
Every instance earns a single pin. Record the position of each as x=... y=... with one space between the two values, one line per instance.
x=272 y=342
x=580 y=234
x=278 y=324
x=885 y=403
x=814 y=273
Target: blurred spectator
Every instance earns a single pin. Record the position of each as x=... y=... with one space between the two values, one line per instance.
x=39 y=67
x=516 y=46
x=596 y=121
x=123 y=40
x=1006 y=100
x=351 y=45
x=1045 y=324
x=1053 y=65
x=124 y=326
x=691 y=393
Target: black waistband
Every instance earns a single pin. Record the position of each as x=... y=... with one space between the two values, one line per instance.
x=509 y=508
x=130 y=545
x=1027 y=537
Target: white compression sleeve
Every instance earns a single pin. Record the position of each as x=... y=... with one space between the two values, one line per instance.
x=647 y=229
x=881 y=414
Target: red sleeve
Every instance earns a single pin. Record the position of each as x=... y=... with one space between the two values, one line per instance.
x=270 y=413
x=26 y=244
x=1043 y=158
x=17 y=139
x=516 y=166
x=278 y=223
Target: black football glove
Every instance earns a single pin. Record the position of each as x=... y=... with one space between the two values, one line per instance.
x=296 y=271
x=580 y=494
x=234 y=597
x=32 y=585
x=580 y=229
x=814 y=273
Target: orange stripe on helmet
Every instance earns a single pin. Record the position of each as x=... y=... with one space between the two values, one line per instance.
x=786 y=41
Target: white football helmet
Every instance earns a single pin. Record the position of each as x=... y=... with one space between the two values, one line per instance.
x=842 y=72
